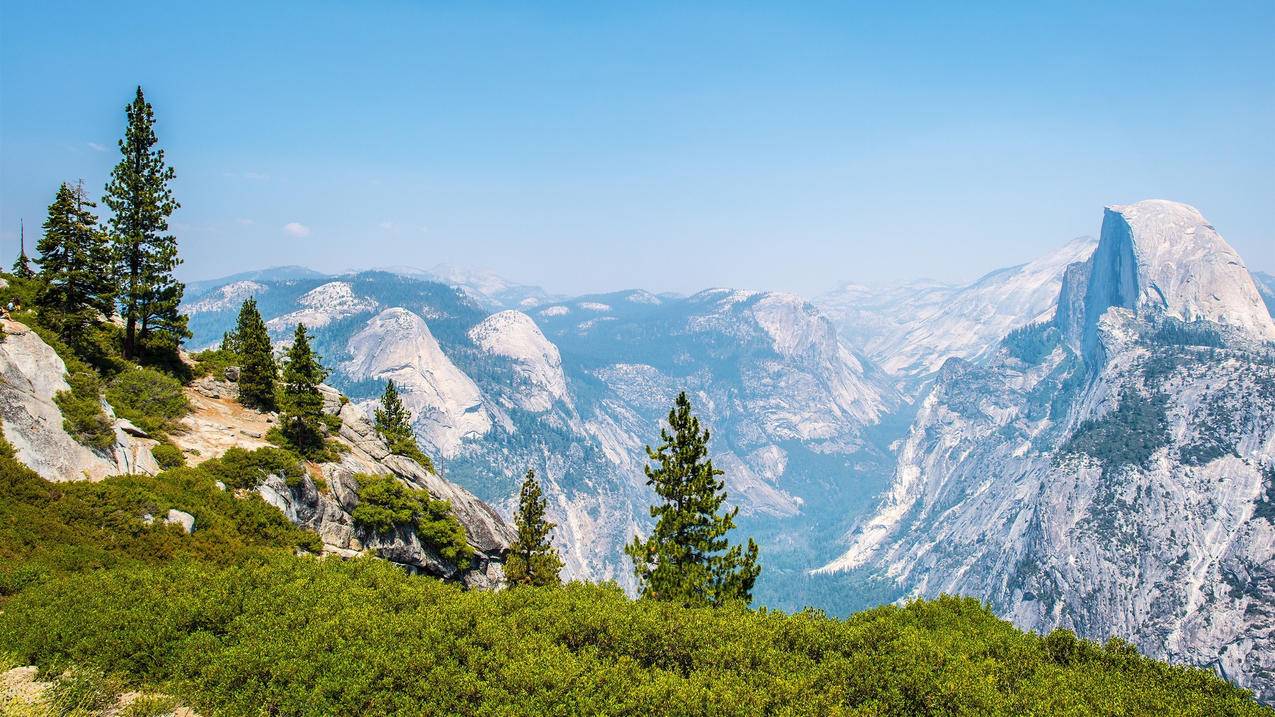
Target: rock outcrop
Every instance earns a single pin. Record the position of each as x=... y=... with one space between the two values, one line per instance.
x=31 y=374
x=328 y=512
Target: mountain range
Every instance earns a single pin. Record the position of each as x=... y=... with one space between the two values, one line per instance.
x=1084 y=440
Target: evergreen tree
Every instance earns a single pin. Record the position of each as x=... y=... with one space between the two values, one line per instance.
x=301 y=404
x=532 y=558
x=257 y=369
x=687 y=557
x=146 y=255
x=22 y=265
x=76 y=291
x=394 y=425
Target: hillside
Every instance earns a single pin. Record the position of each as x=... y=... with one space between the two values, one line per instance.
x=1108 y=470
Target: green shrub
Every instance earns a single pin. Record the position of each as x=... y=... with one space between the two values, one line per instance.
x=81 y=406
x=168 y=456
x=1128 y=435
x=82 y=692
x=240 y=468
x=214 y=362
x=297 y=636
x=153 y=400
x=385 y=504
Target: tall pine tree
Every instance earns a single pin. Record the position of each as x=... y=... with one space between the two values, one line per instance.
x=257 y=368
x=532 y=559
x=22 y=265
x=75 y=287
x=394 y=425
x=146 y=255
x=301 y=404
x=687 y=557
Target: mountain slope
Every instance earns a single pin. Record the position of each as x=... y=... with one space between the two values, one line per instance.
x=1111 y=470
x=911 y=329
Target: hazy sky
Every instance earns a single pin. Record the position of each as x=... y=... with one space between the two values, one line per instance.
x=594 y=146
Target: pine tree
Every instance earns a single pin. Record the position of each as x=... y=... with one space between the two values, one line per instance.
x=76 y=291
x=532 y=558
x=687 y=557
x=141 y=203
x=301 y=404
x=394 y=425
x=22 y=265
x=257 y=368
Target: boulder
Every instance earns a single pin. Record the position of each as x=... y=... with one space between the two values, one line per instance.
x=184 y=520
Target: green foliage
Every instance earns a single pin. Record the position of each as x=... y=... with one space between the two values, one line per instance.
x=213 y=362
x=82 y=692
x=81 y=406
x=1179 y=333
x=76 y=288
x=532 y=559
x=240 y=468
x=56 y=528
x=385 y=504
x=168 y=456
x=151 y=399
x=1032 y=343
x=687 y=557
x=1128 y=435
x=394 y=425
x=146 y=255
x=295 y=636
x=257 y=369
x=300 y=403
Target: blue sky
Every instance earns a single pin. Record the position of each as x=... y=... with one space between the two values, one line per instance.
x=595 y=146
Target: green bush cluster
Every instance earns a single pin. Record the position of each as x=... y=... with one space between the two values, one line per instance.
x=168 y=456
x=385 y=504
x=81 y=406
x=50 y=529
x=241 y=468
x=1128 y=435
x=296 y=636
x=152 y=400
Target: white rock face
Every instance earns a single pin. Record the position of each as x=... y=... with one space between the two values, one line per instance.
x=229 y=296
x=910 y=330
x=1162 y=257
x=537 y=363
x=31 y=373
x=397 y=344
x=1028 y=482
x=323 y=305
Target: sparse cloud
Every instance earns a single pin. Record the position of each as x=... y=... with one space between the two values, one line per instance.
x=97 y=147
x=388 y=226
x=296 y=229
x=245 y=222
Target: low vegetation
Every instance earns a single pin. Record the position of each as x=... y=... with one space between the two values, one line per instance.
x=151 y=399
x=1128 y=435
x=295 y=636
x=385 y=504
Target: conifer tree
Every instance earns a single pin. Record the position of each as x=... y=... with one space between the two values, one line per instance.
x=687 y=557
x=146 y=255
x=22 y=265
x=532 y=558
x=76 y=290
x=257 y=368
x=394 y=425
x=301 y=404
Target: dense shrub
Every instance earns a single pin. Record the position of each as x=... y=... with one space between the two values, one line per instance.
x=385 y=504
x=168 y=456
x=55 y=528
x=298 y=636
x=152 y=400
x=81 y=407
x=240 y=468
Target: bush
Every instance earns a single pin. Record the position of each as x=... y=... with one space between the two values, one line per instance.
x=168 y=456
x=154 y=401
x=214 y=362
x=1128 y=435
x=296 y=636
x=240 y=468
x=386 y=504
x=81 y=406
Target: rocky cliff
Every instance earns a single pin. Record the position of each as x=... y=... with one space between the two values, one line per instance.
x=1111 y=470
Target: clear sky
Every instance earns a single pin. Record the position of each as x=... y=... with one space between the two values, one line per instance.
x=593 y=146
